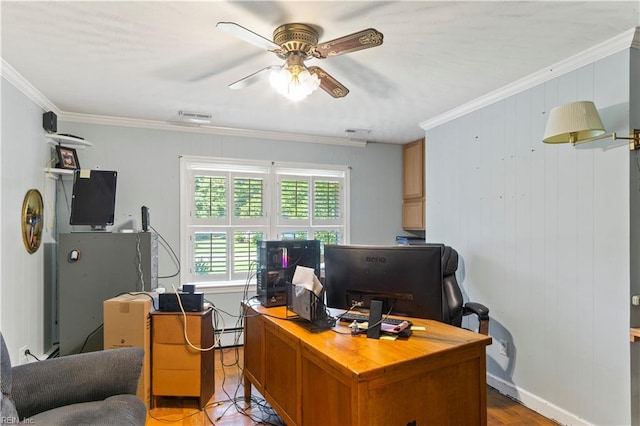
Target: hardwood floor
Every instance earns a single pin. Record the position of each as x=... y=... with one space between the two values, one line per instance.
x=227 y=406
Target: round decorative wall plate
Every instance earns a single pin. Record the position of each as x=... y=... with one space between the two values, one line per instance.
x=31 y=220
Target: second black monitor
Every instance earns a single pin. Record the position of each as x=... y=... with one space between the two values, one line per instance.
x=407 y=279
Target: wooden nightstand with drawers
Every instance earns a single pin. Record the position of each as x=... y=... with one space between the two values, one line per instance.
x=177 y=369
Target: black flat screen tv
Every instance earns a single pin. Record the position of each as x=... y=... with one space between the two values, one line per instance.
x=94 y=198
x=407 y=279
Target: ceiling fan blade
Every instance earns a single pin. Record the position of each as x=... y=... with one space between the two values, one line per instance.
x=350 y=43
x=247 y=35
x=253 y=78
x=329 y=84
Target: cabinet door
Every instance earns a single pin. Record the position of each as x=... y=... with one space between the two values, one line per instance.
x=413 y=170
x=413 y=214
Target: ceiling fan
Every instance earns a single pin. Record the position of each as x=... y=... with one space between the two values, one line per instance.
x=295 y=43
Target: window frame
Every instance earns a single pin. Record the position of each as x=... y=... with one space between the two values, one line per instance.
x=271 y=224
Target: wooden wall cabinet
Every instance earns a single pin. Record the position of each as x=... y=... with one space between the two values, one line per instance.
x=413 y=190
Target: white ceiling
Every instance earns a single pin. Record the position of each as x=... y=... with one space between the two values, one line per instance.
x=149 y=60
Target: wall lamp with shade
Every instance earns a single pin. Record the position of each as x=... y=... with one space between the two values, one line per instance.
x=579 y=122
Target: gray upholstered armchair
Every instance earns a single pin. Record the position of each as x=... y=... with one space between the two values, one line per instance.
x=96 y=388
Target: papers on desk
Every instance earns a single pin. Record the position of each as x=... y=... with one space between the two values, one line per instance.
x=305 y=296
x=393 y=329
x=304 y=277
x=390 y=331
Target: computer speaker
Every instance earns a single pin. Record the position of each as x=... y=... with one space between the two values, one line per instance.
x=50 y=122
x=375 y=319
x=144 y=210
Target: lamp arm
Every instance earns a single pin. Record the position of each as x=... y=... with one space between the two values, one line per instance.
x=635 y=137
x=595 y=138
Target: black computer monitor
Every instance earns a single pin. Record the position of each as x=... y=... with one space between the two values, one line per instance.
x=94 y=198
x=407 y=279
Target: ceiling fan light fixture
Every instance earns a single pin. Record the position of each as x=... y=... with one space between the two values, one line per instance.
x=294 y=82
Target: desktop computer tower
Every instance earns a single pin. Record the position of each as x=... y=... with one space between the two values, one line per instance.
x=277 y=261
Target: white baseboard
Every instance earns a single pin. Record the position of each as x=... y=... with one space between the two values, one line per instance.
x=535 y=403
x=230 y=337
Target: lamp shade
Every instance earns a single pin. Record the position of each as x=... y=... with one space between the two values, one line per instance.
x=572 y=122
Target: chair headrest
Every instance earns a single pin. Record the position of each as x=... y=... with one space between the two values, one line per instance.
x=449 y=261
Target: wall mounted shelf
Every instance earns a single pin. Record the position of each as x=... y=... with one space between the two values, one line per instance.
x=58 y=172
x=54 y=139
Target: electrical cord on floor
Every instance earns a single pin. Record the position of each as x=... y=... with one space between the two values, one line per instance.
x=268 y=415
x=179 y=419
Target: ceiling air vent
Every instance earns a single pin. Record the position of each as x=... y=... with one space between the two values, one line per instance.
x=361 y=134
x=194 y=117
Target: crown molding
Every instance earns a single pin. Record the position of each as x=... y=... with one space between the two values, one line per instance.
x=16 y=79
x=206 y=129
x=630 y=38
x=635 y=43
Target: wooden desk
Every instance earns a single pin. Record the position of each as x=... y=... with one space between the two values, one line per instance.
x=436 y=377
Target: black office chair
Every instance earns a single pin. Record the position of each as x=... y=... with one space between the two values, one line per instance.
x=453 y=303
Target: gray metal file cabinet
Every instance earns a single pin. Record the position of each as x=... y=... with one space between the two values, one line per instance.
x=93 y=267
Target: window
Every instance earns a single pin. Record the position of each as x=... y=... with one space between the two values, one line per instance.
x=227 y=206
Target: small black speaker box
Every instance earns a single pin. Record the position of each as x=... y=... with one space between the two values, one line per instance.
x=145 y=218
x=50 y=122
x=375 y=318
x=191 y=302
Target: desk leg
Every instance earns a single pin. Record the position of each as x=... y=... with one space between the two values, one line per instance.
x=247 y=390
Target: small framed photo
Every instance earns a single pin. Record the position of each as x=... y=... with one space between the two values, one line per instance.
x=67 y=158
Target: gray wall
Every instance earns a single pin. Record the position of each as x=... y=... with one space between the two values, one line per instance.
x=23 y=158
x=147 y=162
x=543 y=233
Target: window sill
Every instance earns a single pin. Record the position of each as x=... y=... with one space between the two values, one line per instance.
x=225 y=287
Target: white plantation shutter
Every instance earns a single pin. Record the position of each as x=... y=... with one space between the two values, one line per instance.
x=248 y=194
x=294 y=199
x=230 y=205
x=210 y=253
x=327 y=201
x=245 y=250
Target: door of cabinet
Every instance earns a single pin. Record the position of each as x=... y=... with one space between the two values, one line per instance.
x=413 y=183
x=413 y=170
x=413 y=215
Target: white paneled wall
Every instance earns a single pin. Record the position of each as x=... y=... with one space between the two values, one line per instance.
x=543 y=233
x=23 y=159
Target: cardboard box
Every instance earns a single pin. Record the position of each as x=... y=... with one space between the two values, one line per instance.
x=127 y=323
